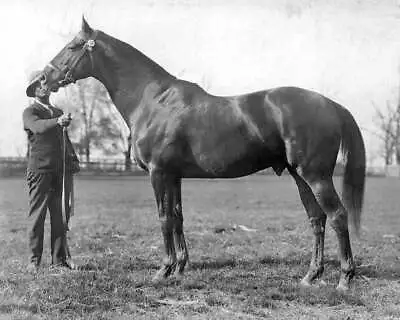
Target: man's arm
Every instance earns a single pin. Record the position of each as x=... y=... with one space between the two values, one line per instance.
x=35 y=124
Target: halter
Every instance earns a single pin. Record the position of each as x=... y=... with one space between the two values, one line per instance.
x=68 y=70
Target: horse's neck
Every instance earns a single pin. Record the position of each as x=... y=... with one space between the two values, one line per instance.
x=127 y=76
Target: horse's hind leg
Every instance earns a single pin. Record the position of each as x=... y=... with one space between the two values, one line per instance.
x=179 y=237
x=329 y=201
x=317 y=219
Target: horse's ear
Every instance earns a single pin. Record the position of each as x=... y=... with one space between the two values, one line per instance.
x=85 y=26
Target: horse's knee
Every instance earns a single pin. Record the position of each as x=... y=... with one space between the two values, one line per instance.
x=167 y=224
x=318 y=225
x=178 y=210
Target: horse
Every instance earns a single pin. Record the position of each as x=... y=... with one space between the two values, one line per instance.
x=179 y=130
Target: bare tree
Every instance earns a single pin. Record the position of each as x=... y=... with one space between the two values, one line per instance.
x=98 y=126
x=397 y=124
x=387 y=122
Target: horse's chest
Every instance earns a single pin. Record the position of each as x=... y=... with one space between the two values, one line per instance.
x=155 y=137
x=149 y=146
x=141 y=151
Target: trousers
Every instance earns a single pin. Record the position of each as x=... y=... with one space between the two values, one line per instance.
x=45 y=193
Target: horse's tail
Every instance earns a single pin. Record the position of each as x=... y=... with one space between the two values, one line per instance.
x=353 y=149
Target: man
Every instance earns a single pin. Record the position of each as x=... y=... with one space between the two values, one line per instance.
x=44 y=126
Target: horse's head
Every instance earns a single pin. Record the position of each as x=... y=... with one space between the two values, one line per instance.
x=75 y=61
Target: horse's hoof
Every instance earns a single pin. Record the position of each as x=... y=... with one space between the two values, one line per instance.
x=178 y=276
x=159 y=277
x=322 y=283
x=343 y=287
x=306 y=283
x=156 y=280
x=315 y=284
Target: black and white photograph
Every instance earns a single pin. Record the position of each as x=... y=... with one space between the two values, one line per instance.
x=200 y=159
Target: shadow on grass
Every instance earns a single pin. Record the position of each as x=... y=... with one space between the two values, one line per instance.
x=118 y=264
x=265 y=291
x=290 y=261
x=391 y=272
x=297 y=265
x=279 y=281
x=260 y=282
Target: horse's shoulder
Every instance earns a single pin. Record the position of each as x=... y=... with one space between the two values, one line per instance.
x=180 y=93
x=168 y=95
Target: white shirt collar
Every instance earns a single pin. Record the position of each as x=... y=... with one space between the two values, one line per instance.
x=47 y=106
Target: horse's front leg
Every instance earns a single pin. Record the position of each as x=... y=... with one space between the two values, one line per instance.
x=179 y=237
x=163 y=190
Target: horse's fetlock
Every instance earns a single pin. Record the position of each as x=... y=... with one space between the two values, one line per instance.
x=348 y=267
x=317 y=269
x=169 y=261
x=182 y=256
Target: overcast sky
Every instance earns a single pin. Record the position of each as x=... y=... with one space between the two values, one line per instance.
x=348 y=50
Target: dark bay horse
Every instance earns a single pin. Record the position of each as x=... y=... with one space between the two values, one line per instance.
x=181 y=131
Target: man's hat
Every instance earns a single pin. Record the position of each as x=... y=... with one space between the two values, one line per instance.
x=33 y=81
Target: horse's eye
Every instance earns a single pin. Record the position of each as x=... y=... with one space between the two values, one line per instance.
x=76 y=44
x=73 y=46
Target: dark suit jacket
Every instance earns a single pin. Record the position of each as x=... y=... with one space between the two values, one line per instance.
x=45 y=139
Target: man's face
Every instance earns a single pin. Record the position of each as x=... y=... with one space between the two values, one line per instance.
x=41 y=92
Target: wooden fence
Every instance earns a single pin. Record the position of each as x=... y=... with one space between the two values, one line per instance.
x=16 y=166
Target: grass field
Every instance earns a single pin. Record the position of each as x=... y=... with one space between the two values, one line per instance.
x=233 y=273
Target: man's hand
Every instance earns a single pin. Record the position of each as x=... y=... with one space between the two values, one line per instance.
x=64 y=120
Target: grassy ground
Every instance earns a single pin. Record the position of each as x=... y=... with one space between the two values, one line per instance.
x=233 y=273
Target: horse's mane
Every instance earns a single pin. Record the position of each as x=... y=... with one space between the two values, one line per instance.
x=128 y=52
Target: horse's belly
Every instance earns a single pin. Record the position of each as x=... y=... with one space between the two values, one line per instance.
x=223 y=164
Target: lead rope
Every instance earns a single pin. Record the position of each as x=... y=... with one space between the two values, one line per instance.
x=65 y=193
